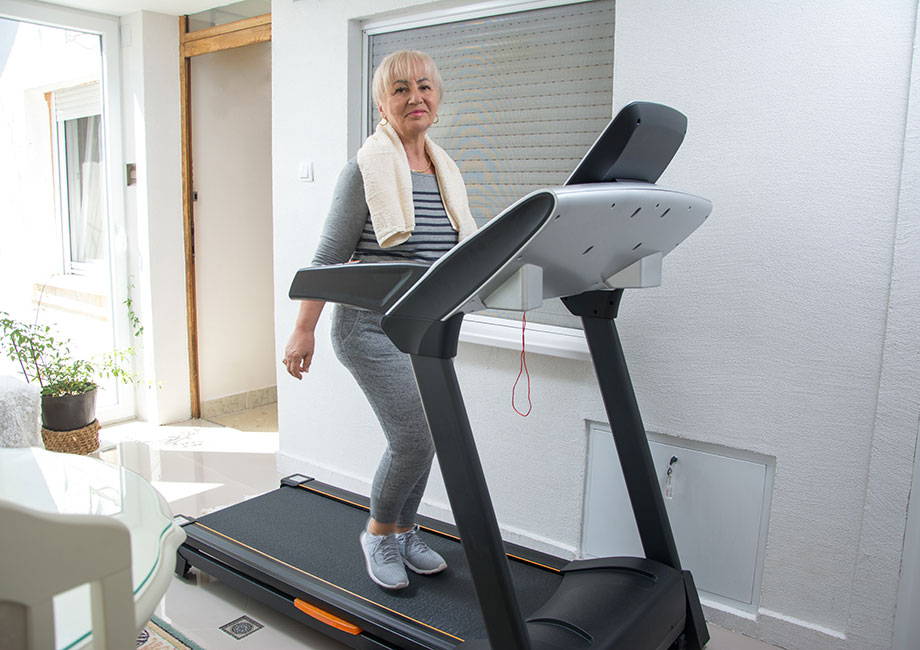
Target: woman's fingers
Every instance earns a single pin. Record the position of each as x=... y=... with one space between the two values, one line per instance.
x=297 y=364
x=298 y=354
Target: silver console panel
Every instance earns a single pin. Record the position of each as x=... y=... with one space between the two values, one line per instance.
x=600 y=236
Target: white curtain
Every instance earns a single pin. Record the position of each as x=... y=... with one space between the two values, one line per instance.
x=85 y=189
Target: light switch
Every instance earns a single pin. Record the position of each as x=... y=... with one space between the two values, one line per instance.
x=305 y=171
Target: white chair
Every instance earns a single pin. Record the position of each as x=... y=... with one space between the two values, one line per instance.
x=43 y=554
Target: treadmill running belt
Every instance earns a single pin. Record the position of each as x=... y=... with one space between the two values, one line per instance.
x=321 y=538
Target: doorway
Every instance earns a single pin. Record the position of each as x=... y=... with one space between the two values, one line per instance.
x=231 y=156
x=229 y=214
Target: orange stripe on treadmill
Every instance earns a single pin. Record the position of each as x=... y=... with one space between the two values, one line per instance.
x=323 y=616
x=332 y=496
x=430 y=530
x=326 y=582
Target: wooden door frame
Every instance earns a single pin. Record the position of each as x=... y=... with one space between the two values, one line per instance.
x=240 y=33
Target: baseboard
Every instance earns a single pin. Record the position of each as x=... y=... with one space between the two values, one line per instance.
x=240 y=402
x=776 y=629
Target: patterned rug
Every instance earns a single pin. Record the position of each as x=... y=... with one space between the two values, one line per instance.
x=158 y=635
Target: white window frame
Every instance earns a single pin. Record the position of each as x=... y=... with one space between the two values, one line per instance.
x=61 y=169
x=552 y=340
x=107 y=27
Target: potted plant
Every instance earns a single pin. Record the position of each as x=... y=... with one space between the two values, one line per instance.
x=68 y=384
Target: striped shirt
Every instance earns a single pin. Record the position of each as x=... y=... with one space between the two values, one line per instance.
x=433 y=235
x=349 y=233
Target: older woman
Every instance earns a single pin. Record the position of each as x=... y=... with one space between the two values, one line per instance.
x=401 y=199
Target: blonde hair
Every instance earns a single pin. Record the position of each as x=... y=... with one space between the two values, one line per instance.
x=398 y=65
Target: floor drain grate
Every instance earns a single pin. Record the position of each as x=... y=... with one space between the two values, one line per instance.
x=241 y=627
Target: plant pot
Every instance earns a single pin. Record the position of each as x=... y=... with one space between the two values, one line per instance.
x=69 y=412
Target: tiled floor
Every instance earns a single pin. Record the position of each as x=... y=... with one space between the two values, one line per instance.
x=201 y=466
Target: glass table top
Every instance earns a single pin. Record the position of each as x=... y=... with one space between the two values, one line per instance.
x=71 y=484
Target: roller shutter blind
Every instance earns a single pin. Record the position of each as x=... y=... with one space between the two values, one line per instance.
x=525 y=96
x=79 y=101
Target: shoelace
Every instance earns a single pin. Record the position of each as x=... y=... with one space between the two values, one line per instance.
x=387 y=550
x=414 y=543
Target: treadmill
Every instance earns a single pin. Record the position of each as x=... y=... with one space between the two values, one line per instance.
x=296 y=548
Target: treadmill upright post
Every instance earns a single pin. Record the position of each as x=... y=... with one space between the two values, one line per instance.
x=470 y=502
x=597 y=310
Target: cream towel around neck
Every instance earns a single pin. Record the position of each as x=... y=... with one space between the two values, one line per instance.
x=388 y=187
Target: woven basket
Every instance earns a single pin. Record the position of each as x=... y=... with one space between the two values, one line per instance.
x=79 y=441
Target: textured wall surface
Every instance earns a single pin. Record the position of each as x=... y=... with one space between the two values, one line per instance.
x=779 y=311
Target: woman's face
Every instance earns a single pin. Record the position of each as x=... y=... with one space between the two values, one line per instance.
x=410 y=105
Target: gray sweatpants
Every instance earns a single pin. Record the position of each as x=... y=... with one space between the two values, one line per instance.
x=385 y=375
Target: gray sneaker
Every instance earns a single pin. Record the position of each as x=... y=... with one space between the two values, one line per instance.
x=384 y=566
x=417 y=555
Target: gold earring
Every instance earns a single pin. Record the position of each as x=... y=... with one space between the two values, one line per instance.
x=437 y=118
x=382 y=121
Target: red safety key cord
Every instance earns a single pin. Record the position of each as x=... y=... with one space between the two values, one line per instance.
x=523 y=370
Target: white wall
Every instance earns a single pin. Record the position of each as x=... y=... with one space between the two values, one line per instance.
x=785 y=326
x=897 y=411
x=797 y=134
x=153 y=209
x=231 y=159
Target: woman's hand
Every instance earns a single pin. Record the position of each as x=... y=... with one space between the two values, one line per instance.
x=298 y=353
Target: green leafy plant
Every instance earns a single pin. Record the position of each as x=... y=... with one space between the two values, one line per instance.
x=47 y=360
x=133 y=318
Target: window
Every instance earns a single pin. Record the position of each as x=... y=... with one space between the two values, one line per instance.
x=63 y=259
x=80 y=174
x=525 y=95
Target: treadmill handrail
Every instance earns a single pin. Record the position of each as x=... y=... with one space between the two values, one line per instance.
x=638 y=144
x=473 y=261
x=375 y=286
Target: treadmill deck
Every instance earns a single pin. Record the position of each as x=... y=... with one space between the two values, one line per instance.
x=320 y=541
